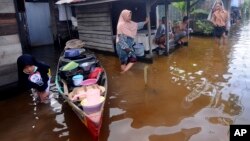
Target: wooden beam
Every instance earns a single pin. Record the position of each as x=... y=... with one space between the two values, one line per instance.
x=10 y=68
x=92 y=15
x=8 y=29
x=95 y=23
x=10 y=74
x=92 y=2
x=7 y=6
x=7 y=18
x=9 y=53
x=83 y=9
x=167 y=27
x=105 y=37
x=94 y=32
x=100 y=19
x=101 y=41
x=8 y=24
x=148 y=8
x=100 y=48
x=168 y=1
x=9 y=40
x=87 y=43
x=95 y=28
x=188 y=13
x=53 y=17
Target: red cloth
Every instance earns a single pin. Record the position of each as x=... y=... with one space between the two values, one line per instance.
x=95 y=72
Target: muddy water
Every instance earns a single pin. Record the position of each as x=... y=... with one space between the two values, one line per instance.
x=193 y=94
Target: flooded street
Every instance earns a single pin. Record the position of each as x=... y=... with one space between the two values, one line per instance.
x=193 y=94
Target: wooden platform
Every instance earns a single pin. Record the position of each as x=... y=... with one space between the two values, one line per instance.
x=146 y=59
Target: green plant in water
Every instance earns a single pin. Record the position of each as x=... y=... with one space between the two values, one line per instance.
x=205 y=26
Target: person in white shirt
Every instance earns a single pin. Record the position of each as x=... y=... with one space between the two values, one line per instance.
x=160 y=37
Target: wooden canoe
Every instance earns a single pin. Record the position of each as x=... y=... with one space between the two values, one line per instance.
x=93 y=121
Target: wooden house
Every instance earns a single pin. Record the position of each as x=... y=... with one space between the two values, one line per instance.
x=97 y=20
x=27 y=23
x=23 y=24
x=10 y=45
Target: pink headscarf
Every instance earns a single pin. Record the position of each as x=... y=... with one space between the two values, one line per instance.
x=125 y=25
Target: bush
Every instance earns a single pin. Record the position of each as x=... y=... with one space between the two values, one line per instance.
x=205 y=26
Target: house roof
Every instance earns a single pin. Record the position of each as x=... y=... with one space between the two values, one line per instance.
x=90 y=2
x=162 y=1
x=83 y=2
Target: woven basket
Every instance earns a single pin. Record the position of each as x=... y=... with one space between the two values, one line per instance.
x=74 y=43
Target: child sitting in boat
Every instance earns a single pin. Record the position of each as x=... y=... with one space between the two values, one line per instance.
x=33 y=74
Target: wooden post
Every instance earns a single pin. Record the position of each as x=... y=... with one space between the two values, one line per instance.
x=148 y=9
x=53 y=19
x=188 y=13
x=229 y=11
x=65 y=7
x=167 y=27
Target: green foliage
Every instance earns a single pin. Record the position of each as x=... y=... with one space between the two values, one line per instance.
x=181 y=6
x=246 y=5
x=199 y=14
x=205 y=26
x=199 y=11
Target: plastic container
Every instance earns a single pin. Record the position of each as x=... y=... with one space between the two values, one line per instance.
x=139 y=49
x=70 y=66
x=71 y=53
x=69 y=70
x=89 y=109
x=77 y=79
x=89 y=82
x=87 y=66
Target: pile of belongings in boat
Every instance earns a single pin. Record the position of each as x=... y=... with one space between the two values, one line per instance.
x=77 y=60
x=86 y=88
x=82 y=72
x=74 y=43
x=88 y=95
x=74 y=49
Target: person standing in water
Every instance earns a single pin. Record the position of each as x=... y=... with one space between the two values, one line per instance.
x=219 y=20
x=33 y=74
x=126 y=32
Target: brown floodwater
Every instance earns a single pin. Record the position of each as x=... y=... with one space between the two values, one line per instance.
x=193 y=94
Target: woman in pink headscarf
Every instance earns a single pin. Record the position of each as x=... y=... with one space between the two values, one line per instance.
x=126 y=32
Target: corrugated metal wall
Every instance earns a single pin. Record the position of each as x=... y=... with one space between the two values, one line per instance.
x=95 y=26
